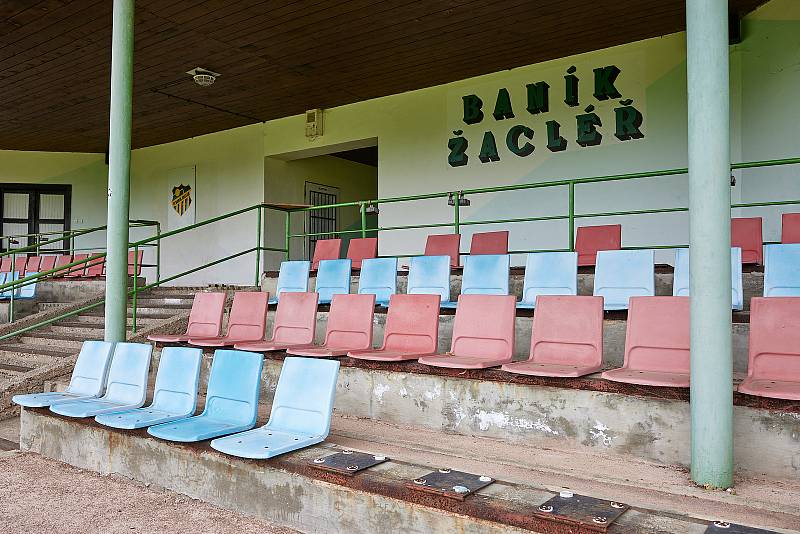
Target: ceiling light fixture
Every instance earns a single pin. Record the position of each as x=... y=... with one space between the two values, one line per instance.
x=203 y=77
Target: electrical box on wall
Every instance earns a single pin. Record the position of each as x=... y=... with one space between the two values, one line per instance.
x=313 y=123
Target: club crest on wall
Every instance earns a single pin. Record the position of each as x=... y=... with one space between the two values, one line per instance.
x=181 y=198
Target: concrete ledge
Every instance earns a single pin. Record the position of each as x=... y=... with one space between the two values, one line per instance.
x=286 y=490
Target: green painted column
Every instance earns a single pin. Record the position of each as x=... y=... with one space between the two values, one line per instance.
x=119 y=163
x=710 y=240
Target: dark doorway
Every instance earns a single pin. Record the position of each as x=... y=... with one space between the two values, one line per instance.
x=33 y=209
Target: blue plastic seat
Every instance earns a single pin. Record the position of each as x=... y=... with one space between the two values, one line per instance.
x=301 y=412
x=378 y=277
x=484 y=275
x=175 y=393
x=782 y=270
x=333 y=278
x=549 y=273
x=293 y=276
x=28 y=291
x=88 y=378
x=231 y=400
x=126 y=388
x=430 y=275
x=622 y=274
x=7 y=279
x=680 y=278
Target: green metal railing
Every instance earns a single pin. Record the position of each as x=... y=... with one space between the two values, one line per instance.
x=454 y=198
x=571 y=185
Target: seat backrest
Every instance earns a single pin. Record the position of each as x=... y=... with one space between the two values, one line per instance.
x=489 y=243
x=293 y=276
x=326 y=249
x=48 y=263
x=61 y=261
x=774 y=338
x=590 y=239
x=295 y=318
x=303 y=401
x=350 y=322
x=5 y=293
x=20 y=263
x=248 y=317
x=362 y=248
x=444 y=245
x=5 y=265
x=657 y=334
x=484 y=326
x=205 y=319
x=127 y=376
x=621 y=274
x=412 y=324
x=33 y=264
x=680 y=278
x=485 y=275
x=139 y=258
x=77 y=270
x=790 y=228
x=782 y=270
x=746 y=234
x=177 y=379
x=91 y=368
x=234 y=384
x=379 y=277
x=95 y=267
x=28 y=291
x=9 y=277
x=333 y=278
x=550 y=273
x=429 y=275
x=568 y=330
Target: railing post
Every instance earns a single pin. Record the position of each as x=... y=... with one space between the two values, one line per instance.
x=119 y=159
x=158 y=251
x=135 y=288
x=456 y=214
x=288 y=233
x=363 y=209
x=258 y=248
x=13 y=289
x=711 y=392
x=571 y=216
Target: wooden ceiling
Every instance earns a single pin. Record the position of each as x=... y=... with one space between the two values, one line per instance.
x=278 y=57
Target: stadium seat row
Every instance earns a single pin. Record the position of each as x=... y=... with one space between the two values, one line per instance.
x=29 y=265
x=109 y=383
x=619 y=275
x=746 y=234
x=566 y=341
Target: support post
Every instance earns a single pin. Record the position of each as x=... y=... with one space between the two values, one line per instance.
x=119 y=160
x=710 y=241
x=363 y=209
x=572 y=216
x=258 y=249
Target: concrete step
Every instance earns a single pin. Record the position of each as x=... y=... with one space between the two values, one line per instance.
x=26 y=359
x=53 y=341
x=38 y=349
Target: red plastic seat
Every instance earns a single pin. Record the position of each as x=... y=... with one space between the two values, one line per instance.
x=362 y=248
x=33 y=265
x=774 y=359
x=294 y=326
x=20 y=263
x=590 y=239
x=5 y=265
x=444 y=245
x=412 y=329
x=95 y=267
x=139 y=257
x=746 y=234
x=77 y=270
x=205 y=319
x=48 y=263
x=326 y=249
x=483 y=333
x=656 y=343
x=567 y=338
x=61 y=261
x=349 y=327
x=246 y=322
x=790 y=228
x=489 y=243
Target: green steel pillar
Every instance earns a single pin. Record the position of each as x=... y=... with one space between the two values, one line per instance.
x=710 y=241
x=119 y=161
